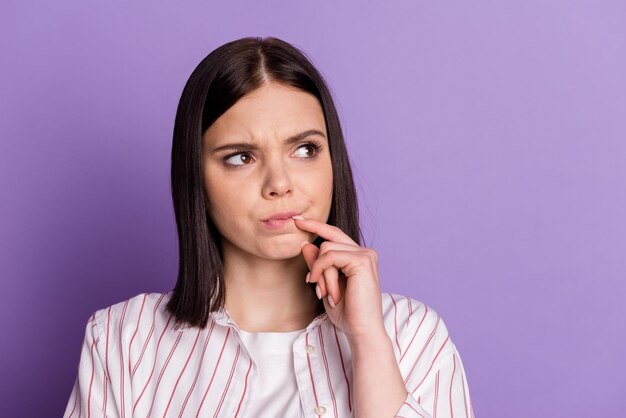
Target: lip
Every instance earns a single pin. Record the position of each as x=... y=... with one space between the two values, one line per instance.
x=279 y=220
x=281 y=216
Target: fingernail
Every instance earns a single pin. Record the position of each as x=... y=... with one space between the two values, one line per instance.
x=318 y=291
x=303 y=243
x=308 y=275
x=297 y=217
x=331 y=301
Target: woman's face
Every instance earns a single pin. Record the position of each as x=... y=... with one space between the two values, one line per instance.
x=247 y=184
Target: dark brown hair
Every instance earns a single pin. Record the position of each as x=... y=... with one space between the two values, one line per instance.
x=227 y=74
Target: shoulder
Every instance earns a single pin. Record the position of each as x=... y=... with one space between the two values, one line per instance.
x=413 y=325
x=401 y=311
x=143 y=308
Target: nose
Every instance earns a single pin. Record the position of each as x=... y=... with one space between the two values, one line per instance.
x=277 y=180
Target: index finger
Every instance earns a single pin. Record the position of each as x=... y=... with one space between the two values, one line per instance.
x=324 y=230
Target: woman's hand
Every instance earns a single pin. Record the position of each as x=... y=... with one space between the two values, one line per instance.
x=356 y=291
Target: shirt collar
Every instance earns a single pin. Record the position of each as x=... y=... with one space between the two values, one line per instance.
x=222 y=317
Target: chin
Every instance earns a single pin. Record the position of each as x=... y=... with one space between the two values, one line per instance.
x=287 y=248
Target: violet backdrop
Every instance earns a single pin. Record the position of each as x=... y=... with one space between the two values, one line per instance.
x=488 y=140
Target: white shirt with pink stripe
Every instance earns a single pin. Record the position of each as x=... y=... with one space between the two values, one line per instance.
x=134 y=363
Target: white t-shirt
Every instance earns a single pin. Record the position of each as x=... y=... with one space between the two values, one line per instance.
x=277 y=391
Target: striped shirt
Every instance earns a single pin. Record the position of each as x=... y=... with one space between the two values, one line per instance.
x=133 y=363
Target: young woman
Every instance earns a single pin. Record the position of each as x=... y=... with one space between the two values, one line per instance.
x=277 y=310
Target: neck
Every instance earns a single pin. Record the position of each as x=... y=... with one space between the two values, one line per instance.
x=264 y=295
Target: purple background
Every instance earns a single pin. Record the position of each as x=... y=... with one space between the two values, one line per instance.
x=488 y=142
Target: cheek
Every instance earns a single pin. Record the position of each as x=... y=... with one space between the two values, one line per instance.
x=325 y=186
x=228 y=202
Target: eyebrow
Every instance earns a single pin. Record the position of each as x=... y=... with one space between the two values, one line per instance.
x=250 y=146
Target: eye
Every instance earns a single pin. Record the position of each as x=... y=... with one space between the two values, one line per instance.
x=311 y=145
x=245 y=157
x=234 y=157
x=315 y=146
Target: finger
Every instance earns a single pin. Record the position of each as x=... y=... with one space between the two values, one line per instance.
x=310 y=253
x=321 y=283
x=331 y=282
x=324 y=230
x=346 y=261
x=331 y=245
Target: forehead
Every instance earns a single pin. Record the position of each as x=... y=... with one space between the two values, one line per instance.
x=272 y=111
